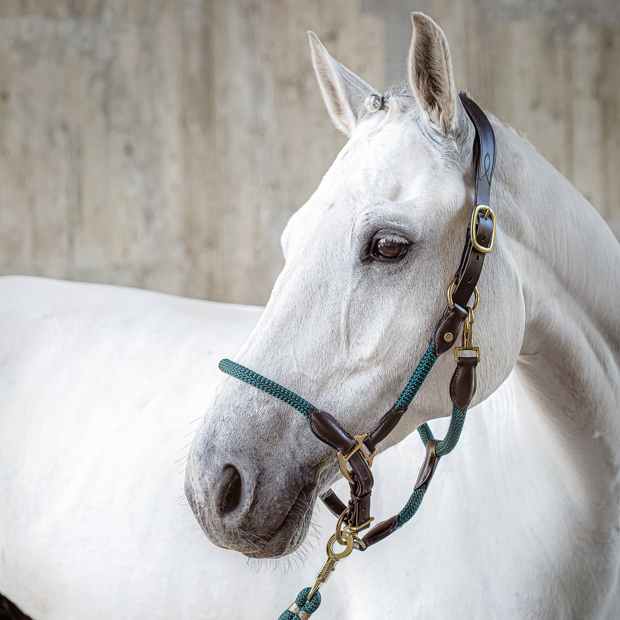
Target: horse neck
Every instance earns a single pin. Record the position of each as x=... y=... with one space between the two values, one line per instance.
x=568 y=262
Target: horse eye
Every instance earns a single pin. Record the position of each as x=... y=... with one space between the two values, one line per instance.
x=388 y=248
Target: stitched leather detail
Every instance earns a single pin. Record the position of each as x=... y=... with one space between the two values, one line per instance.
x=381 y=531
x=328 y=430
x=463 y=383
x=386 y=425
x=449 y=322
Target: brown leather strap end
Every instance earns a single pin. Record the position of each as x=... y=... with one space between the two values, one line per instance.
x=447 y=329
x=463 y=384
x=333 y=503
x=328 y=430
x=380 y=531
x=429 y=466
x=386 y=425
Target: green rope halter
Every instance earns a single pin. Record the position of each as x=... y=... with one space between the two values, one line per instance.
x=404 y=400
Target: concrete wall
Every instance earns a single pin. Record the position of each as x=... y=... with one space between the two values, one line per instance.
x=164 y=143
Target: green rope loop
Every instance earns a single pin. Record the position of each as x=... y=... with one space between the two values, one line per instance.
x=305 y=605
x=404 y=400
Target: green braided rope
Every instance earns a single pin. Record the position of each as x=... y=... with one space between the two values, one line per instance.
x=309 y=606
x=267 y=385
x=303 y=406
x=423 y=368
x=445 y=446
x=404 y=400
x=448 y=443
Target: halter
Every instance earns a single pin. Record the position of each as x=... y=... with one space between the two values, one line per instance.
x=355 y=453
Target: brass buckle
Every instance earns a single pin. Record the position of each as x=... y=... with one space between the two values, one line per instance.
x=473 y=231
x=343 y=460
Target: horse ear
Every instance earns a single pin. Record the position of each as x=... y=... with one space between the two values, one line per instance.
x=343 y=92
x=430 y=73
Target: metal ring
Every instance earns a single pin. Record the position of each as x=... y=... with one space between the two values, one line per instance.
x=348 y=546
x=451 y=301
x=339 y=530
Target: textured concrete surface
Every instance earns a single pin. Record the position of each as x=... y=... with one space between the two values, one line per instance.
x=164 y=144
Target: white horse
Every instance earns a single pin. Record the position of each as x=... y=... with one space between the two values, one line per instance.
x=99 y=385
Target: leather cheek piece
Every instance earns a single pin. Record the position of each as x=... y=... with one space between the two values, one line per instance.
x=326 y=428
x=450 y=322
x=463 y=383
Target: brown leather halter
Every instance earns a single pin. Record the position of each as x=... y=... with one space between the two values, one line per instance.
x=357 y=452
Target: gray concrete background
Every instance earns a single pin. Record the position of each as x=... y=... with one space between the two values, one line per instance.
x=164 y=144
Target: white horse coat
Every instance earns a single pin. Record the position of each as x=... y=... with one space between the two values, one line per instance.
x=100 y=387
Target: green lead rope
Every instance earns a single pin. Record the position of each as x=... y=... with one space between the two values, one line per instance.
x=302 y=605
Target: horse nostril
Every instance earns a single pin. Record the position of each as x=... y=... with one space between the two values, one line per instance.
x=231 y=490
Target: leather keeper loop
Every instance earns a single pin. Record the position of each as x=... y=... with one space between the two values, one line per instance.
x=429 y=466
x=385 y=426
x=326 y=428
x=380 y=531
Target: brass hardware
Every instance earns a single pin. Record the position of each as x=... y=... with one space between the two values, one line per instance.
x=448 y=336
x=472 y=228
x=358 y=528
x=293 y=608
x=342 y=460
x=339 y=538
x=332 y=559
x=304 y=615
x=467 y=342
x=353 y=529
x=451 y=301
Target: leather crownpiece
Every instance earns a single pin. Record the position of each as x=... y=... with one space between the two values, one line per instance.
x=463 y=383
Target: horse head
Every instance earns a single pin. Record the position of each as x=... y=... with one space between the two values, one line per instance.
x=368 y=261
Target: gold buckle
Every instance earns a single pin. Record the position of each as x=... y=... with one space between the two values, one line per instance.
x=343 y=460
x=473 y=231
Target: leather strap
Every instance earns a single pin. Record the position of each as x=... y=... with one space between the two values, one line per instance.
x=326 y=428
x=472 y=260
x=463 y=384
x=385 y=426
